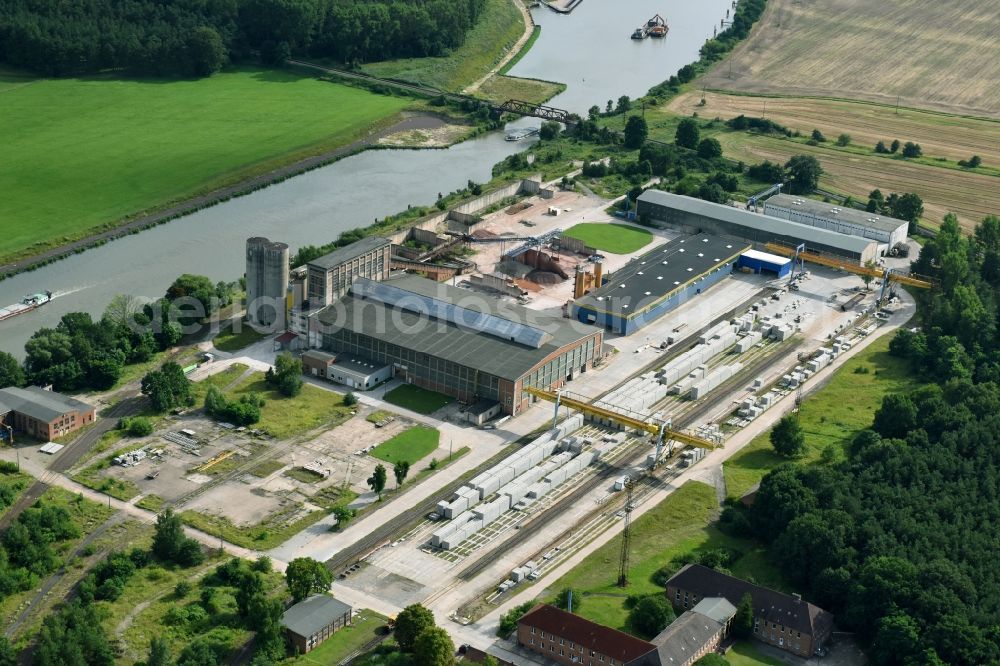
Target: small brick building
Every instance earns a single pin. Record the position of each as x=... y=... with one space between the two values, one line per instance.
x=313 y=620
x=43 y=414
x=572 y=640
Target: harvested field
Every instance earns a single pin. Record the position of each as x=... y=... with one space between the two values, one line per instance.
x=969 y=195
x=954 y=137
x=933 y=55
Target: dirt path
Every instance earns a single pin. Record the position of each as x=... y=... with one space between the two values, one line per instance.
x=529 y=28
x=247 y=186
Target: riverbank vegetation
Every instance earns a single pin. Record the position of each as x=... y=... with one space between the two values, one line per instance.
x=498 y=26
x=196 y=39
x=93 y=151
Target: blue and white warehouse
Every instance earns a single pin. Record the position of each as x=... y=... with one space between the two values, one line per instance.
x=655 y=283
x=764 y=262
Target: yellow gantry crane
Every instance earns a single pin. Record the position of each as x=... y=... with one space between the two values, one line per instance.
x=661 y=430
x=801 y=254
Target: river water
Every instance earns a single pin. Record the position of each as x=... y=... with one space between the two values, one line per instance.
x=589 y=50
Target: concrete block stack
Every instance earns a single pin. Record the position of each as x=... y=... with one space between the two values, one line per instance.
x=747 y=342
x=507 y=483
x=712 y=381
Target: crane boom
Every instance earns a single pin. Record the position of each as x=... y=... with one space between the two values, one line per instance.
x=848 y=266
x=628 y=421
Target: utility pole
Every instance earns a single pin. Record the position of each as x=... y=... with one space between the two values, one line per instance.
x=626 y=537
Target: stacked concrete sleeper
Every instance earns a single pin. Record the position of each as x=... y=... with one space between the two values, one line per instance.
x=519 y=479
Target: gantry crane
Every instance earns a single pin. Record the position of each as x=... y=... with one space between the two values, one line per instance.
x=886 y=274
x=662 y=430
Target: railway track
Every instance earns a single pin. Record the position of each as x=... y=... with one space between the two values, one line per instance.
x=388 y=530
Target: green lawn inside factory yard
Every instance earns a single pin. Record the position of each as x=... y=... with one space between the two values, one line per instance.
x=408 y=446
x=681 y=524
x=831 y=416
x=86 y=152
x=613 y=238
x=281 y=417
x=416 y=399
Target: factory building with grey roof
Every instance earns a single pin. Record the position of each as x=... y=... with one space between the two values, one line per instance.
x=655 y=283
x=674 y=210
x=886 y=230
x=457 y=342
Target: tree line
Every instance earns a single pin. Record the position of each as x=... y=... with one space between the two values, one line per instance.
x=198 y=37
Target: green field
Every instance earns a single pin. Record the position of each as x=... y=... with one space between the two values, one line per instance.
x=497 y=30
x=613 y=238
x=831 y=416
x=83 y=153
x=678 y=525
x=408 y=446
x=416 y=399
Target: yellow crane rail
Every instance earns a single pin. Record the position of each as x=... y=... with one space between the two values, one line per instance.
x=215 y=461
x=615 y=417
x=847 y=265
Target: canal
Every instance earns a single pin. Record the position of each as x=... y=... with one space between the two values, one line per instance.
x=589 y=50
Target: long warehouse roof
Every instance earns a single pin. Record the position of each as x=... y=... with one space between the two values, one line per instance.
x=651 y=277
x=833 y=212
x=413 y=325
x=353 y=251
x=765 y=223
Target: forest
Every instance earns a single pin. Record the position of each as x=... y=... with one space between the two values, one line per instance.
x=898 y=540
x=198 y=37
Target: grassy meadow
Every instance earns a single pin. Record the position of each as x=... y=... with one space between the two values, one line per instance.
x=831 y=416
x=680 y=524
x=81 y=154
x=932 y=55
x=940 y=135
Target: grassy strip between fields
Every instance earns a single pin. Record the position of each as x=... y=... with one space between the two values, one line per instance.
x=613 y=238
x=408 y=446
x=831 y=416
x=416 y=399
x=365 y=628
